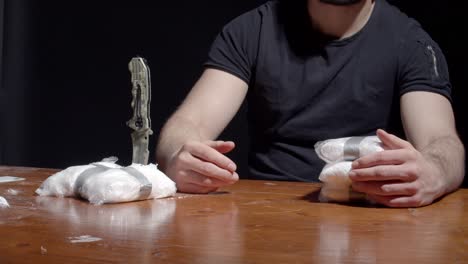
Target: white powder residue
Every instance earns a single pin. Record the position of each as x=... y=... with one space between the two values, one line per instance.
x=10 y=179
x=12 y=191
x=3 y=203
x=84 y=239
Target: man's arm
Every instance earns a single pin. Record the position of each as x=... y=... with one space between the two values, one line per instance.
x=186 y=151
x=415 y=174
x=430 y=125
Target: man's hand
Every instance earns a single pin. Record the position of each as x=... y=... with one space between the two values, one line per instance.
x=201 y=167
x=399 y=176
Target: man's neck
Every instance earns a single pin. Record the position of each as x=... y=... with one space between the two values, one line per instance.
x=340 y=21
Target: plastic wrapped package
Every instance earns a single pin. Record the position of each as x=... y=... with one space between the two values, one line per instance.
x=107 y=182
x=62 y=183
x=336 y=183
x=339 y=154
x=336 y=174
x=349 y=148
x=330 y=193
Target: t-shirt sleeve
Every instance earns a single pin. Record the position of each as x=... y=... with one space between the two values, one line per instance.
x=235 y=48
x=422 y=65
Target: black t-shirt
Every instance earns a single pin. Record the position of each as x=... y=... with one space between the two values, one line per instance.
x=305 y=87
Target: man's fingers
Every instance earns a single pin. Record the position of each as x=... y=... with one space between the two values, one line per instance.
x=221 y=146
x=211 y=155
x=204 y=181
x=384 y=173
x=385 y=188
x=386 y=157
x=385 y=200
x=208 y=169
x=392 y=141
x=412 y=201
x=397 y=201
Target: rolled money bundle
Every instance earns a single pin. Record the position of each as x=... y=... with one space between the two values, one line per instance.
x=107 y=182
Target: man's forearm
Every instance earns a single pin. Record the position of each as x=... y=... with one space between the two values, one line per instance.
x=175 y=133
x=448 y=155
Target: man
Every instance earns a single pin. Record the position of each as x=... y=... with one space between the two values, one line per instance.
x=314 y=70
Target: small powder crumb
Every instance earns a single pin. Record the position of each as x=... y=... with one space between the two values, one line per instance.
x=12 y=191
x=413 y=212
x=10 y=179
x=3 y=203
x=84 y=239
x=43 y=250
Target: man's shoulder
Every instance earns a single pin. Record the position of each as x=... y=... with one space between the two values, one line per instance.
x=267 y=8
x=398 y=23
x=255 y=15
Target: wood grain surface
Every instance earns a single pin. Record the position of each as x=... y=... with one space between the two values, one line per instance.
x=249 y=222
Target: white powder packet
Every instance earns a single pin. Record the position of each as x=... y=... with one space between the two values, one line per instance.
x=107 y=182
x=339 y=154
x=349 y=148
x=336 y=183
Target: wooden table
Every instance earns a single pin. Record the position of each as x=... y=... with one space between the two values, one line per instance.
x=249 y=222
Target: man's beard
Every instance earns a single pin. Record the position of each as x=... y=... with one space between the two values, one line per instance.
x=341 y=2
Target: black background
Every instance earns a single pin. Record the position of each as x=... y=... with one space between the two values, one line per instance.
x=65 y=85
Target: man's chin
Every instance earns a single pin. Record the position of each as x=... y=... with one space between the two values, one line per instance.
x=341 y=2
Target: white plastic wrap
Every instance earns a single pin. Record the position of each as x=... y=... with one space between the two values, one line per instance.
x=334 y=150
x=339 y=154
x=3 y=203
x=336 y=183
x=107 y=182
x=336 y=174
